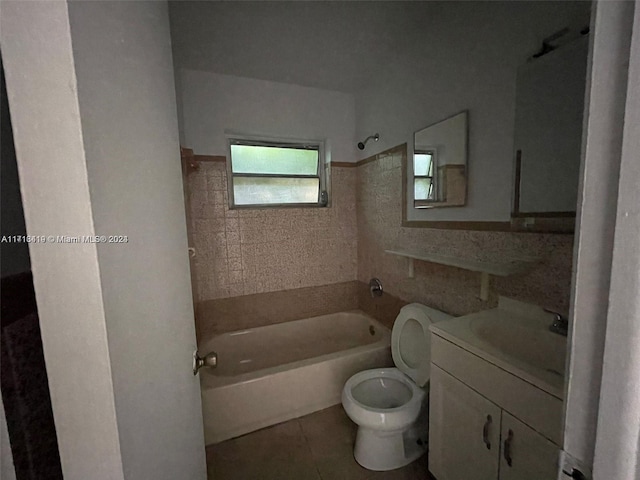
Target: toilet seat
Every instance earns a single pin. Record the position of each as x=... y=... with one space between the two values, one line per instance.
x=410 y=341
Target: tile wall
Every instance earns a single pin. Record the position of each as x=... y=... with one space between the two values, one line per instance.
x=453 y=290
x=312 y=257
x=247 y=252
x=259 y=309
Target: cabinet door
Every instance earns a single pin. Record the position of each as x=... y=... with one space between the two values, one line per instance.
x=525 y=454
x=464 y=431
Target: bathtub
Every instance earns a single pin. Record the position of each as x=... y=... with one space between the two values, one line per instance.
x=270 y=374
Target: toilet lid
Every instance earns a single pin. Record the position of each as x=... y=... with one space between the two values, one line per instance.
x=411 y=343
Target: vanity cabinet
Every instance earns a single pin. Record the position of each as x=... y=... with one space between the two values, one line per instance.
x=471 y=437
x=464 y=431
x=525 y=454
x=473 y=433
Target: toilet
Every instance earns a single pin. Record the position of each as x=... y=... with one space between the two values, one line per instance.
x=390 y=405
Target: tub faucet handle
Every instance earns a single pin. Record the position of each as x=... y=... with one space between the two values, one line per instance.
x=375 y=287
x=209 y=360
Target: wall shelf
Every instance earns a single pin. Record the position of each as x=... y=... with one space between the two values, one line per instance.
x=502 y=269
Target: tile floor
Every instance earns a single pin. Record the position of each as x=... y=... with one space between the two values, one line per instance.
x=316 y=447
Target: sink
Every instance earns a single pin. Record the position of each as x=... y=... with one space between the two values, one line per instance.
x=515 y=337
x=528 y=342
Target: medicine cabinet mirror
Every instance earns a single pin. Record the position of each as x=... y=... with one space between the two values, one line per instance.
x=438 y=171
x=548 y=132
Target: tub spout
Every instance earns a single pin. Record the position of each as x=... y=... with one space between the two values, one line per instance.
x=209 y=360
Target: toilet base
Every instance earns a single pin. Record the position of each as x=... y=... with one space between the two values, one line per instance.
x=381 y=451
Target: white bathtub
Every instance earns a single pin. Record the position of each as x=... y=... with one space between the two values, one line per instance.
x=267 y=375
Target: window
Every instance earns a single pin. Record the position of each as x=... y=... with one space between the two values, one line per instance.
x=424 y=184
x=270 y=173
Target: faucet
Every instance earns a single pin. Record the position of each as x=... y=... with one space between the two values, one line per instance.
x=560 y=323
x=375 y=288
x=209 y=360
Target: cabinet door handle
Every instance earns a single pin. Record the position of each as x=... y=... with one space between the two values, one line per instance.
x=485 y=432
x=507 y=448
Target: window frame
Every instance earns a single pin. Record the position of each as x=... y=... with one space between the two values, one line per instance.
x=425 y=203
x=262 y=141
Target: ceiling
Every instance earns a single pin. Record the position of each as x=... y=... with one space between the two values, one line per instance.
x=348 y=45
x=330 y=45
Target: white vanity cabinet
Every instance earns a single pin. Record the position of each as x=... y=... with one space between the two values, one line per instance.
x=525 y=454
x=464 y=431
x=473 y=429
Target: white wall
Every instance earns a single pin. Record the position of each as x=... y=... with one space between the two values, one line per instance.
x=93 y=102
x=466 y=59
x=617 y=453
x=596 y=224
x=122 y=53
x=213 y=103
x=409 y=65
x=41 y=84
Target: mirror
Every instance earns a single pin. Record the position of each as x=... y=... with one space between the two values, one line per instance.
x=439 y=166
x=548 y=131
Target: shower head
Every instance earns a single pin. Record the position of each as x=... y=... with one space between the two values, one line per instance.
x=375 y=137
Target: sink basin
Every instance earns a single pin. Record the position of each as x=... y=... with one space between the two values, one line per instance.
x=528 y=342
x=516 y=338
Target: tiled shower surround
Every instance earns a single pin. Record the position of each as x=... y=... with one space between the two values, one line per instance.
x=319 y=260
x=249 y=251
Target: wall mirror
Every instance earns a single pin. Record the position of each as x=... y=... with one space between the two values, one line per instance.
x=548 y=132
x=439 y=165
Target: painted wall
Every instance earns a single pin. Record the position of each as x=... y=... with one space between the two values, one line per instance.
x=42 y=86
x=243 y=252
x=213 y=104
x=452 y=290
x=467 y=58
x=417 y=70
x=433 y=60
x=596 y=236
x=93 y=105
x=122 y=55
x=409 y=65
x=617 y=451
x=14 y=256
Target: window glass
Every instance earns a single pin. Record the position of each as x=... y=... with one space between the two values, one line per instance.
x=273 y=160
x=423 y=164
x=263 y=173
x=423 y=189
x=265 y=190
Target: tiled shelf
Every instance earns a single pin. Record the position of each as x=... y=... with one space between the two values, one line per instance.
x=501 y=269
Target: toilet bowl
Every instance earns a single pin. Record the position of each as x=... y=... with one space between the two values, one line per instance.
x=390 y=405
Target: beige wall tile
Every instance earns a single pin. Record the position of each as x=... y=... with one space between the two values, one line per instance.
x=254 y=309
x=453 y=290
x=263 y=255
x=241 y=252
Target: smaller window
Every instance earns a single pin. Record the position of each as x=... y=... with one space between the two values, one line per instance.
x=270 y=173
x=424 y=184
